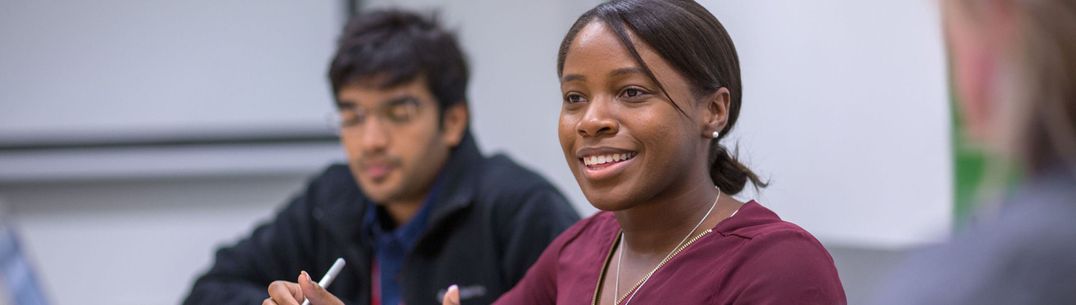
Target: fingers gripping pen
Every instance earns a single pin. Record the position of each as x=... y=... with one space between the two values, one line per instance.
x=329 y=276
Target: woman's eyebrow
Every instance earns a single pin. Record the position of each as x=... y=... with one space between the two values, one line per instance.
x=617 y=72
x=626 y=70
x=573 y=77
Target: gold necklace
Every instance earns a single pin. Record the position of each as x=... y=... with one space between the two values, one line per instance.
x=680 y=246
x=643 y=280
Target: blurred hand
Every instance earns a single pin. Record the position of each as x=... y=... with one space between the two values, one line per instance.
x=452 y=296
x=288 y=293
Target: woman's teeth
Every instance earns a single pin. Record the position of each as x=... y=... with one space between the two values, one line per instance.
x=610 y=158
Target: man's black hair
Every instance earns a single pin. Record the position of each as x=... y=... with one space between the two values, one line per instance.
x=394 y=47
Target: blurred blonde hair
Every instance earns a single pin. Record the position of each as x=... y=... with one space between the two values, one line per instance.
x=1044 y=75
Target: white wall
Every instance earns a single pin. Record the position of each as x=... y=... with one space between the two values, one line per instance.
x=116 y=68
x=846 y=110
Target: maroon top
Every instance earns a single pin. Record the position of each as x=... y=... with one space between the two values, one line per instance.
x=753 y=257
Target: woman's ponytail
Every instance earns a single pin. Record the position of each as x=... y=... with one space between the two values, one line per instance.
x=728 y=173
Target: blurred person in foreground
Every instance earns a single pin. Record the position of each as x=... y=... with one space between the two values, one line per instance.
x=1014 y=67
x=416 y=208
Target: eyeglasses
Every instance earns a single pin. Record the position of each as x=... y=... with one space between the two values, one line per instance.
x=398 y=112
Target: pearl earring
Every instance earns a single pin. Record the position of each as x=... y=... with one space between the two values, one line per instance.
x=715 y=135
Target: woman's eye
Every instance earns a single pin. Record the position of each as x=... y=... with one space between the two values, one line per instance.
x=633 y=92
x=573 y=98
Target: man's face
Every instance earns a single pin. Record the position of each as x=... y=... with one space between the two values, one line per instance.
x=394 y=143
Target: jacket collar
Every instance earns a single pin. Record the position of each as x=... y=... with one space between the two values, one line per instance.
x=459 y=181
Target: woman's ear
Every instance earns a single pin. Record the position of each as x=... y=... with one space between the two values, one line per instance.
x=715 y=114
x=454 y=123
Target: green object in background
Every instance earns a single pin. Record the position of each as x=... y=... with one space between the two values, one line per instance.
x=969 y=167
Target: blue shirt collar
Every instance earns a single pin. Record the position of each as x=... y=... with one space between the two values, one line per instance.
x=391 y=247
x=406 y=234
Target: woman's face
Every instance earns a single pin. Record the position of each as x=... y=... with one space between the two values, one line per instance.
x=623 y=139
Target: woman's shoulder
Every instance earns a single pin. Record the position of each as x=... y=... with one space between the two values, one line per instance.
x=770 y=240
x=754 y=221
x=780 y=261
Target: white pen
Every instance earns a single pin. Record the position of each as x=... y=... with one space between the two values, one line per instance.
x=329 y=276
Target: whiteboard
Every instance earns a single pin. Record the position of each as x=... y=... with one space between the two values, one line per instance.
x=111 y=69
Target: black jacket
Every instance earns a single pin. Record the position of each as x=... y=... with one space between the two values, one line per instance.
x=491 y=221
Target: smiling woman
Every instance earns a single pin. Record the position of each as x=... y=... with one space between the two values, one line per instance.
x=649 y=88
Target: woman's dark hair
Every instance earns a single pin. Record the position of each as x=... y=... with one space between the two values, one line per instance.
x=400 y=46
x=692 y=40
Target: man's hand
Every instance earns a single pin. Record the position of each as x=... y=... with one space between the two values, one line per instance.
x=288 y=293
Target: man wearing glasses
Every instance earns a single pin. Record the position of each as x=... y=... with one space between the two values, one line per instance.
x=416 y=209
